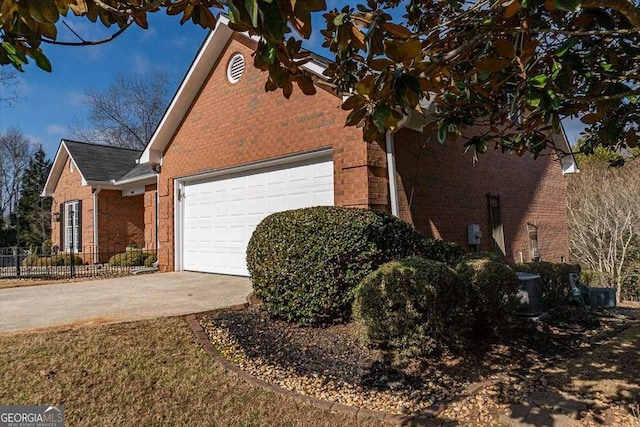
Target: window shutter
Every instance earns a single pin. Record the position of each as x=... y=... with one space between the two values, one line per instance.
x=62 y=227
x=79 y=215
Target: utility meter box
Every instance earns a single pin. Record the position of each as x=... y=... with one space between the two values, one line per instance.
x=474 y=234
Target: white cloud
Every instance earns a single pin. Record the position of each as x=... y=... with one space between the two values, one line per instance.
x=141 y=63
x=179 y=41
x=149 y=33
x=56 y=129
x=35 y=140
x=75 y=99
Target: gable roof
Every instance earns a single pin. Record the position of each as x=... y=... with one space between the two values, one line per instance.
x=210 y=51
x=138 y=172
x=97 y=164
x=101 y=162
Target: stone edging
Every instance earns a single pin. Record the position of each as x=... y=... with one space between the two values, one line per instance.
x=424 y=419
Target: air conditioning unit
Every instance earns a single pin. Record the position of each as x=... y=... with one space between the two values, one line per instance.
x=602 y=297
x=529 y=295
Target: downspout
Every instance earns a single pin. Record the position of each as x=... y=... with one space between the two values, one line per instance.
x=96 y=254
x=391 y=166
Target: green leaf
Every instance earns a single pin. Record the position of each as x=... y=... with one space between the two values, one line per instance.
x=533 y=100
x=566 y=46
x=555 y=123
x=44 y=11
x=41 y=60
x=538 y=81
x=380 y=114
x=568 y=5
x=253 y=9
x=339 y=20
x=442 y=131
x=356 y=116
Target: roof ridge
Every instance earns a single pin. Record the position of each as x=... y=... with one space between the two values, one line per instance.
x=95 y=144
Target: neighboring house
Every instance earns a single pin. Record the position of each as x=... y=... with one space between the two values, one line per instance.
x=87 y=178
x=228 y=154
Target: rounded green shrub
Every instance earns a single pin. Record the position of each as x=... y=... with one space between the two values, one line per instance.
x=150 y=259
x=30 y=260
x=128 y=259
x=493 y=290
x=54 y=260
x=448 y=252
x=412 y=307
x=493 y=256
x=306 y=263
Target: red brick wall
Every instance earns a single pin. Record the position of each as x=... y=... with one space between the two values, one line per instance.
x=150 y=218
x=68 y=188
x=120 y=222
x=447 y=192
x=231 y=124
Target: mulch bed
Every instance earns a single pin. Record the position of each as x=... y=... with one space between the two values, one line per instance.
x=329 y=363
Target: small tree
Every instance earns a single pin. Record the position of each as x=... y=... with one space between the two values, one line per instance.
x=16 y=150
x=34 y=212
x=604 y=219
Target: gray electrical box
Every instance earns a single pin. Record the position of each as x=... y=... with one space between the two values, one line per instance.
x=529 y=295
x=474 y=234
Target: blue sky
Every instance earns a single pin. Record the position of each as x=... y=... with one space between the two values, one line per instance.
x=54 y=100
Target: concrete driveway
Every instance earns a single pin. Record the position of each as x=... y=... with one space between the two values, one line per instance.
x=122 y=299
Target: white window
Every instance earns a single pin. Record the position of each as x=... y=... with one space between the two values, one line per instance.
x=72 y=225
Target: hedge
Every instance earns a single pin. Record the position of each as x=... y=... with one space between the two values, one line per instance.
x=53 y=261
x=131 y=258
x=306 y=263
x=412 y=307
x=493 y=291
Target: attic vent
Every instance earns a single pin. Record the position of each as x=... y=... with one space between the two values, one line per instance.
x=235 y=68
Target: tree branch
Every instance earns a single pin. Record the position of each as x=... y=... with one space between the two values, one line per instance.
x=625 y=7
x=87 y=42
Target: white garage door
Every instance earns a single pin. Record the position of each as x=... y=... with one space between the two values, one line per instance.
x=220 y=214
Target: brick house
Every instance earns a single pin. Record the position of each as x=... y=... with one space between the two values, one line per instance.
x=87 y=178
x=228 y=154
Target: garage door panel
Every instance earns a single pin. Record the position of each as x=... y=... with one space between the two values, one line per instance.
x=221 y=214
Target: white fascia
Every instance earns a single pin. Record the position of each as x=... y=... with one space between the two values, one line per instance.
x=191 y=84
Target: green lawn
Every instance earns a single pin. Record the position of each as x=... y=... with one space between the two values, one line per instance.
x=143 y=373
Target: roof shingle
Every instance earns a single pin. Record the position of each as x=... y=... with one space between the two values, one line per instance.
x=102 y=162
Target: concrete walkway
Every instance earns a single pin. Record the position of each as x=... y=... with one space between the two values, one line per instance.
x=122 y=299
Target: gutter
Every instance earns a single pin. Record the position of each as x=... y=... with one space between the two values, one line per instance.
x=391 y=166
x=96 y=255
x=141 y=178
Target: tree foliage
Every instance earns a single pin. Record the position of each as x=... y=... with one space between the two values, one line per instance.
x=34 y=212
x=16 y=150
x=126 y=113
x=604 y=220
x=9 y=92
x=514 y=69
